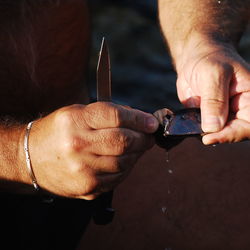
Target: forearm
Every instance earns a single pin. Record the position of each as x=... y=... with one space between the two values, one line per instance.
x=188 y=23
x=13 y=172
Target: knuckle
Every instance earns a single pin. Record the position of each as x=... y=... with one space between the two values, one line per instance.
x=136 y=119
x=76 y=144
x=207 y=101
x=117 y=117
x=73 y=144
x=99 y=105
x=119 y=149
x=219 y=69
x=124 y=140
x=103 y=111
x=113 y=114
x=64 y=118
x=121 y=142
x=78 y=168
x=92 y=113
x=69 y=117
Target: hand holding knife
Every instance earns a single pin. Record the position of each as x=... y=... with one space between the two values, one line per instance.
x=104 y=212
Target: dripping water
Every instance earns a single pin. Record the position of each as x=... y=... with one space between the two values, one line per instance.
x=164 y=210
x=170 y=171
x=167 y=156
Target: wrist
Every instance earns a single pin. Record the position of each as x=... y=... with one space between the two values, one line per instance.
x=196 y=47
x=15 y=178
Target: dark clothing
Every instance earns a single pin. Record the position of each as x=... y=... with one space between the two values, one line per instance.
x=32 y=224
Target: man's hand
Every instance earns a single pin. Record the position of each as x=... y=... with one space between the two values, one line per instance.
x=216 y=79
x=82 y=151
x=202 y=36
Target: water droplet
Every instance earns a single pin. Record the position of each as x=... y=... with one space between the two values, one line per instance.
x=167 y=156
x=164 y=209
x=214 y=145
x=219 y=2
x=170 y=171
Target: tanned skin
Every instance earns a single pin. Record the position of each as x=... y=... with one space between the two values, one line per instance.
x=77 y=151
x=202 y=37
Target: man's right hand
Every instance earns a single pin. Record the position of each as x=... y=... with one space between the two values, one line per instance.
x=216 y=79
x=82 y=151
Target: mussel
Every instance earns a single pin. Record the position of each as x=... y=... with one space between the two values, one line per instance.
x=176 y=126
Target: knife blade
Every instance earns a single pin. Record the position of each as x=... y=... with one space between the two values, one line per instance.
x=103 y=74
x=105 y=213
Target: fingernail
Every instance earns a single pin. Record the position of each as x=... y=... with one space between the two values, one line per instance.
x=211 y=123
x=152 y=123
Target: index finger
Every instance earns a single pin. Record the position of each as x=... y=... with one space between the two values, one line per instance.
x=103 y=115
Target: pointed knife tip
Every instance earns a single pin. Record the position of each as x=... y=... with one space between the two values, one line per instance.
x=103 y=40
x=103 y=44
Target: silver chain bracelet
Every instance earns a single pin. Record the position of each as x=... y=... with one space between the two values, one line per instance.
x=27 y=156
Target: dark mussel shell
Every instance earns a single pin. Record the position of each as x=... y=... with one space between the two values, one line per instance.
x=176 y=126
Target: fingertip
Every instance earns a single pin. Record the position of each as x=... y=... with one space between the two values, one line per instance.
x=212 y=123
x=207 y=140
x=214 y=138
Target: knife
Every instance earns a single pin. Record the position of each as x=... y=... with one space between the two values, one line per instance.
x=103 y=74
x=103 y=212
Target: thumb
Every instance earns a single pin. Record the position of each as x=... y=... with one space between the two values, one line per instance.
x=215 y=98
x=102 y=115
